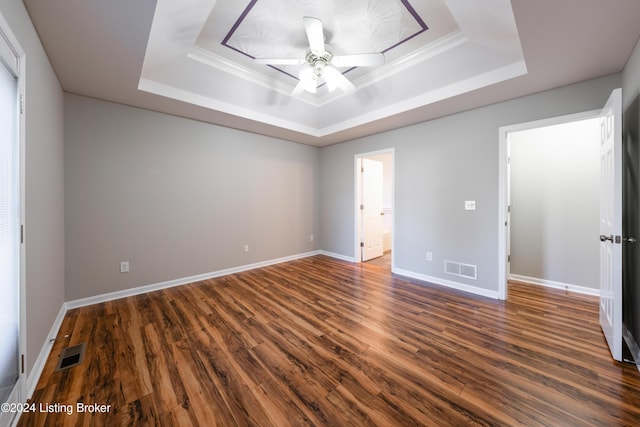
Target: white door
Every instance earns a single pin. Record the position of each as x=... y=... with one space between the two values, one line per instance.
x=611 y=223
x=371 y=208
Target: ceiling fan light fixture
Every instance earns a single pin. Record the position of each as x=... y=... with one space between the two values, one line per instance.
x=309 y=80
x=321 y=62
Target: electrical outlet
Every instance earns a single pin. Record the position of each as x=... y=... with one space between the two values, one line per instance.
x=124 y=267
x=469 y=205
x=311 y=237
x=246 y=248
x=429 y=256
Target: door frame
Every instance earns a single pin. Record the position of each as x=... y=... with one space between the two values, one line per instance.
x=357 y=197
x=20 y=391
x=503 y=185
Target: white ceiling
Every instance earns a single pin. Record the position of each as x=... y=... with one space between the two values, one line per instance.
x=193 y=58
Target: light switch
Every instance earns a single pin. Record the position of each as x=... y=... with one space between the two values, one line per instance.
x=469 y=205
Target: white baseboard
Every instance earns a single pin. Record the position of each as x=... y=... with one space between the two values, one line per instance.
x=448 y=283
x=556 y=285
x=338 y=256
x=38 y=366
x=83 y=302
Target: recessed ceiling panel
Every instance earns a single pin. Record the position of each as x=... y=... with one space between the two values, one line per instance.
x=211 y=63
x=274 y=28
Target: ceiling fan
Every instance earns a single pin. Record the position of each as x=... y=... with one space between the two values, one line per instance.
x=321 y=63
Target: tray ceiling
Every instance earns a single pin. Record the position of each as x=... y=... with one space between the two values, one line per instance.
x=202 y=53
x=192 y=58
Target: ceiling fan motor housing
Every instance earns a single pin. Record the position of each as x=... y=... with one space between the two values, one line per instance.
x=318 y=61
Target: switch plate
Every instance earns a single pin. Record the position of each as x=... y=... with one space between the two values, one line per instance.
x=469 y=205
x=429 y=256
x=246 y=248
x=124 y=267
x=311 y=238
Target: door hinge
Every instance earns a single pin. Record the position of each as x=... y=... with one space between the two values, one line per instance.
x=22 y=363
x=361 y=207
x=362 y=169
x=509 y=208
x=21 y=233
x=21 y=103
x=362 y=244
x=508 y=258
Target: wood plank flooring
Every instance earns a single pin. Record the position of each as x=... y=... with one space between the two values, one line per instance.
x=327 y=343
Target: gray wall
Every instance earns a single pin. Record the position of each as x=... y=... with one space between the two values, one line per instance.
x=44 y=190
x=555 y=203
x=177 y=197
x=438 y=165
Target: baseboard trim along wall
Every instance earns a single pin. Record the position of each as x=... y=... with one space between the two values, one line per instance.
x=555 y=285
x=448 y=283
x=38 y=366
x=338 y=256
x=83 y=302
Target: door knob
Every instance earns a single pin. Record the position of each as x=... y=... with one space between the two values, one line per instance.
x=629 y=240
x=604 y=238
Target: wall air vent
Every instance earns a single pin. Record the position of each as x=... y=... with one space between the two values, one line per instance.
x=462 y=270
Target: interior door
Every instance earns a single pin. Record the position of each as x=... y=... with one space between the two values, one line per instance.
x=371 y=208
x=611 y=223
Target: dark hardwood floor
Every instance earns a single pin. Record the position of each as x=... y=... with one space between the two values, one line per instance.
x=323 y=342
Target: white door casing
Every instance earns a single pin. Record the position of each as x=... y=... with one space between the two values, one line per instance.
x=12 y=312
x=611 y=223
x=372 y=209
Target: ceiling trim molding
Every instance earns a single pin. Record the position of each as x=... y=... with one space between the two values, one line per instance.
x=209 y=58
x=161 y=89
x=449 y=91
x=202 y=74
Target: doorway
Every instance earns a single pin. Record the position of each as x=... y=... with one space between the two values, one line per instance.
x=609 y=216
x=374 y=207
x=554 y=206
x=511 y=135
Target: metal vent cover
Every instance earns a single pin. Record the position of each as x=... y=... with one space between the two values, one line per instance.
x=462 y=270
x=71 y=356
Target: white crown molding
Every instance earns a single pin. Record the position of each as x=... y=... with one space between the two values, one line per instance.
x=161 y=89
x=221 y=63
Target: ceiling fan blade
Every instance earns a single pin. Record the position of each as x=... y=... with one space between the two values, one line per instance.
x=279 y=61
x=335 y=78
x=359 y=60
x=315 y=33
